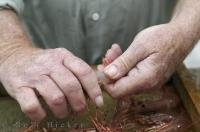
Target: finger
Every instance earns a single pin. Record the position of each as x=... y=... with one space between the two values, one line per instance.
x=139 y=80
x=52 y=96
x=117 y=49
x=121 y=65
x=109 y=57
x=114 y=52
x=29 y=104
x=70 y=87
x=86 y=76
x=106 y=61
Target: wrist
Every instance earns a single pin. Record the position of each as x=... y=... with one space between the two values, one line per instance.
x=188 y=30
x=181 y=39
x=187 y=36
x=12 y=49
x=12 y=36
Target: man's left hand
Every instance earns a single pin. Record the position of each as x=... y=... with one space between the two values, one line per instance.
x=149 y=61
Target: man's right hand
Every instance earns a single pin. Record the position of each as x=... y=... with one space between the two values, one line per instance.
x=55 y=74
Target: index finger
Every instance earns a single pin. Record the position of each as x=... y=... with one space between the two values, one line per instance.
x=86 y=76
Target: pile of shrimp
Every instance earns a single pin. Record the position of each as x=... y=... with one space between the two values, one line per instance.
x=160 y=113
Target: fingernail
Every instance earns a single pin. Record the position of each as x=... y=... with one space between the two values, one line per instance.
x=99 y=101
x=111 y=71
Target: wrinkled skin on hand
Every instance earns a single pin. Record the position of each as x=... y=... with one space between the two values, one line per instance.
x=148 y=62
x=56 y=74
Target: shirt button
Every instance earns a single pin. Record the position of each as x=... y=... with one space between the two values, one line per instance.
x=95 y=16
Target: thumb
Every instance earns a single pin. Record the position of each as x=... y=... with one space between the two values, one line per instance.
x=124 y=63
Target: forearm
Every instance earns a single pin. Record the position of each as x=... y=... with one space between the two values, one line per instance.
x=186 y=23
x=12 y=36
x=186 y=17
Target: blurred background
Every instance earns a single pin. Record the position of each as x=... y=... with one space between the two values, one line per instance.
x=193 y=59
x=192 y=62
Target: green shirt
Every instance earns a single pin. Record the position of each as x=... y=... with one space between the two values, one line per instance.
x=88 y=27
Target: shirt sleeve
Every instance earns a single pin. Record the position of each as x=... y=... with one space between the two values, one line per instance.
x=16 y=5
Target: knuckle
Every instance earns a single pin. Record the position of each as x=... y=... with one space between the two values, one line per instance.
x=63 y=51
x=152 y=80
x=42 y=80
x=73 y=90
x=85 y=71
x=31 y=109
x=72 y=86
x=58 y=100
x=124 y=62
x=95 y=92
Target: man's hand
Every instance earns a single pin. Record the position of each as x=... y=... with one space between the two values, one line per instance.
x=148 y=62
x=56 y=74
x=155 y=52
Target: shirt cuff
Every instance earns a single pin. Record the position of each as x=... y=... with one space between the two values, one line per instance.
x=16 y=5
